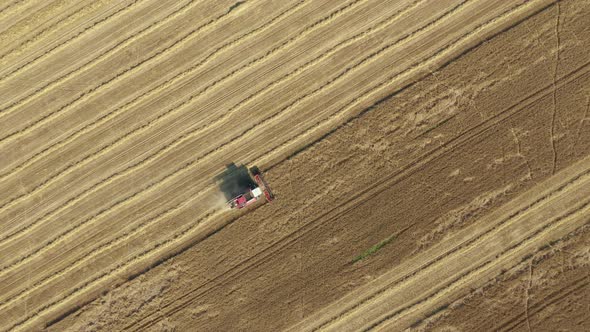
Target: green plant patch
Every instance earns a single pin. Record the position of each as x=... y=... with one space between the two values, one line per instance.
x=373 y=249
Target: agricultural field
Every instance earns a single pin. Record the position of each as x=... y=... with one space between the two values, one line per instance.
x=430 y=161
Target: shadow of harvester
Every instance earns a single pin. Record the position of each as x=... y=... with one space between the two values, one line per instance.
x=234 y=181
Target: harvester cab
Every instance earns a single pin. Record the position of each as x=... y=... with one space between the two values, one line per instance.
x=243 y=187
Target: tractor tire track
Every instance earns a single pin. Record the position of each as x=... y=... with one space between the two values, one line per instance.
x=406 y=171
x=553 y=298
x=472 y=242
x=490 y=123
x=551 y=226
x=114 y=79
x=258 y=260
x=465 y=244
x=22 y=231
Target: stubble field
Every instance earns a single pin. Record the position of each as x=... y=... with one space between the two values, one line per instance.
x=429 y=158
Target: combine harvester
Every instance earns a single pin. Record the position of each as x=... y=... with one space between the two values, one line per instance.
x=239 y=187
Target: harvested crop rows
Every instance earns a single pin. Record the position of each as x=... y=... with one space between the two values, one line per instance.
x=401 y=138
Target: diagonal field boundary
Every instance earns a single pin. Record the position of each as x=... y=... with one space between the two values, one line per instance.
x=511 y=111
x=336 y=212
x=379 y=25
x=52 y=243
x=126 y=236
x=110 y=178
x=138 y=228
x=364 y=62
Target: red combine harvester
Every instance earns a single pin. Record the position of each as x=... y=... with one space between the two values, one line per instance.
x=262 y=184
x=240 y=189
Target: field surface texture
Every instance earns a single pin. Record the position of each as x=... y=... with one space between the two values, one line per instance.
x=430 y=161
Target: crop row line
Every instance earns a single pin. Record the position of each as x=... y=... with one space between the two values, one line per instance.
x=379 y=25
x=109 y=179
x=410 y=166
